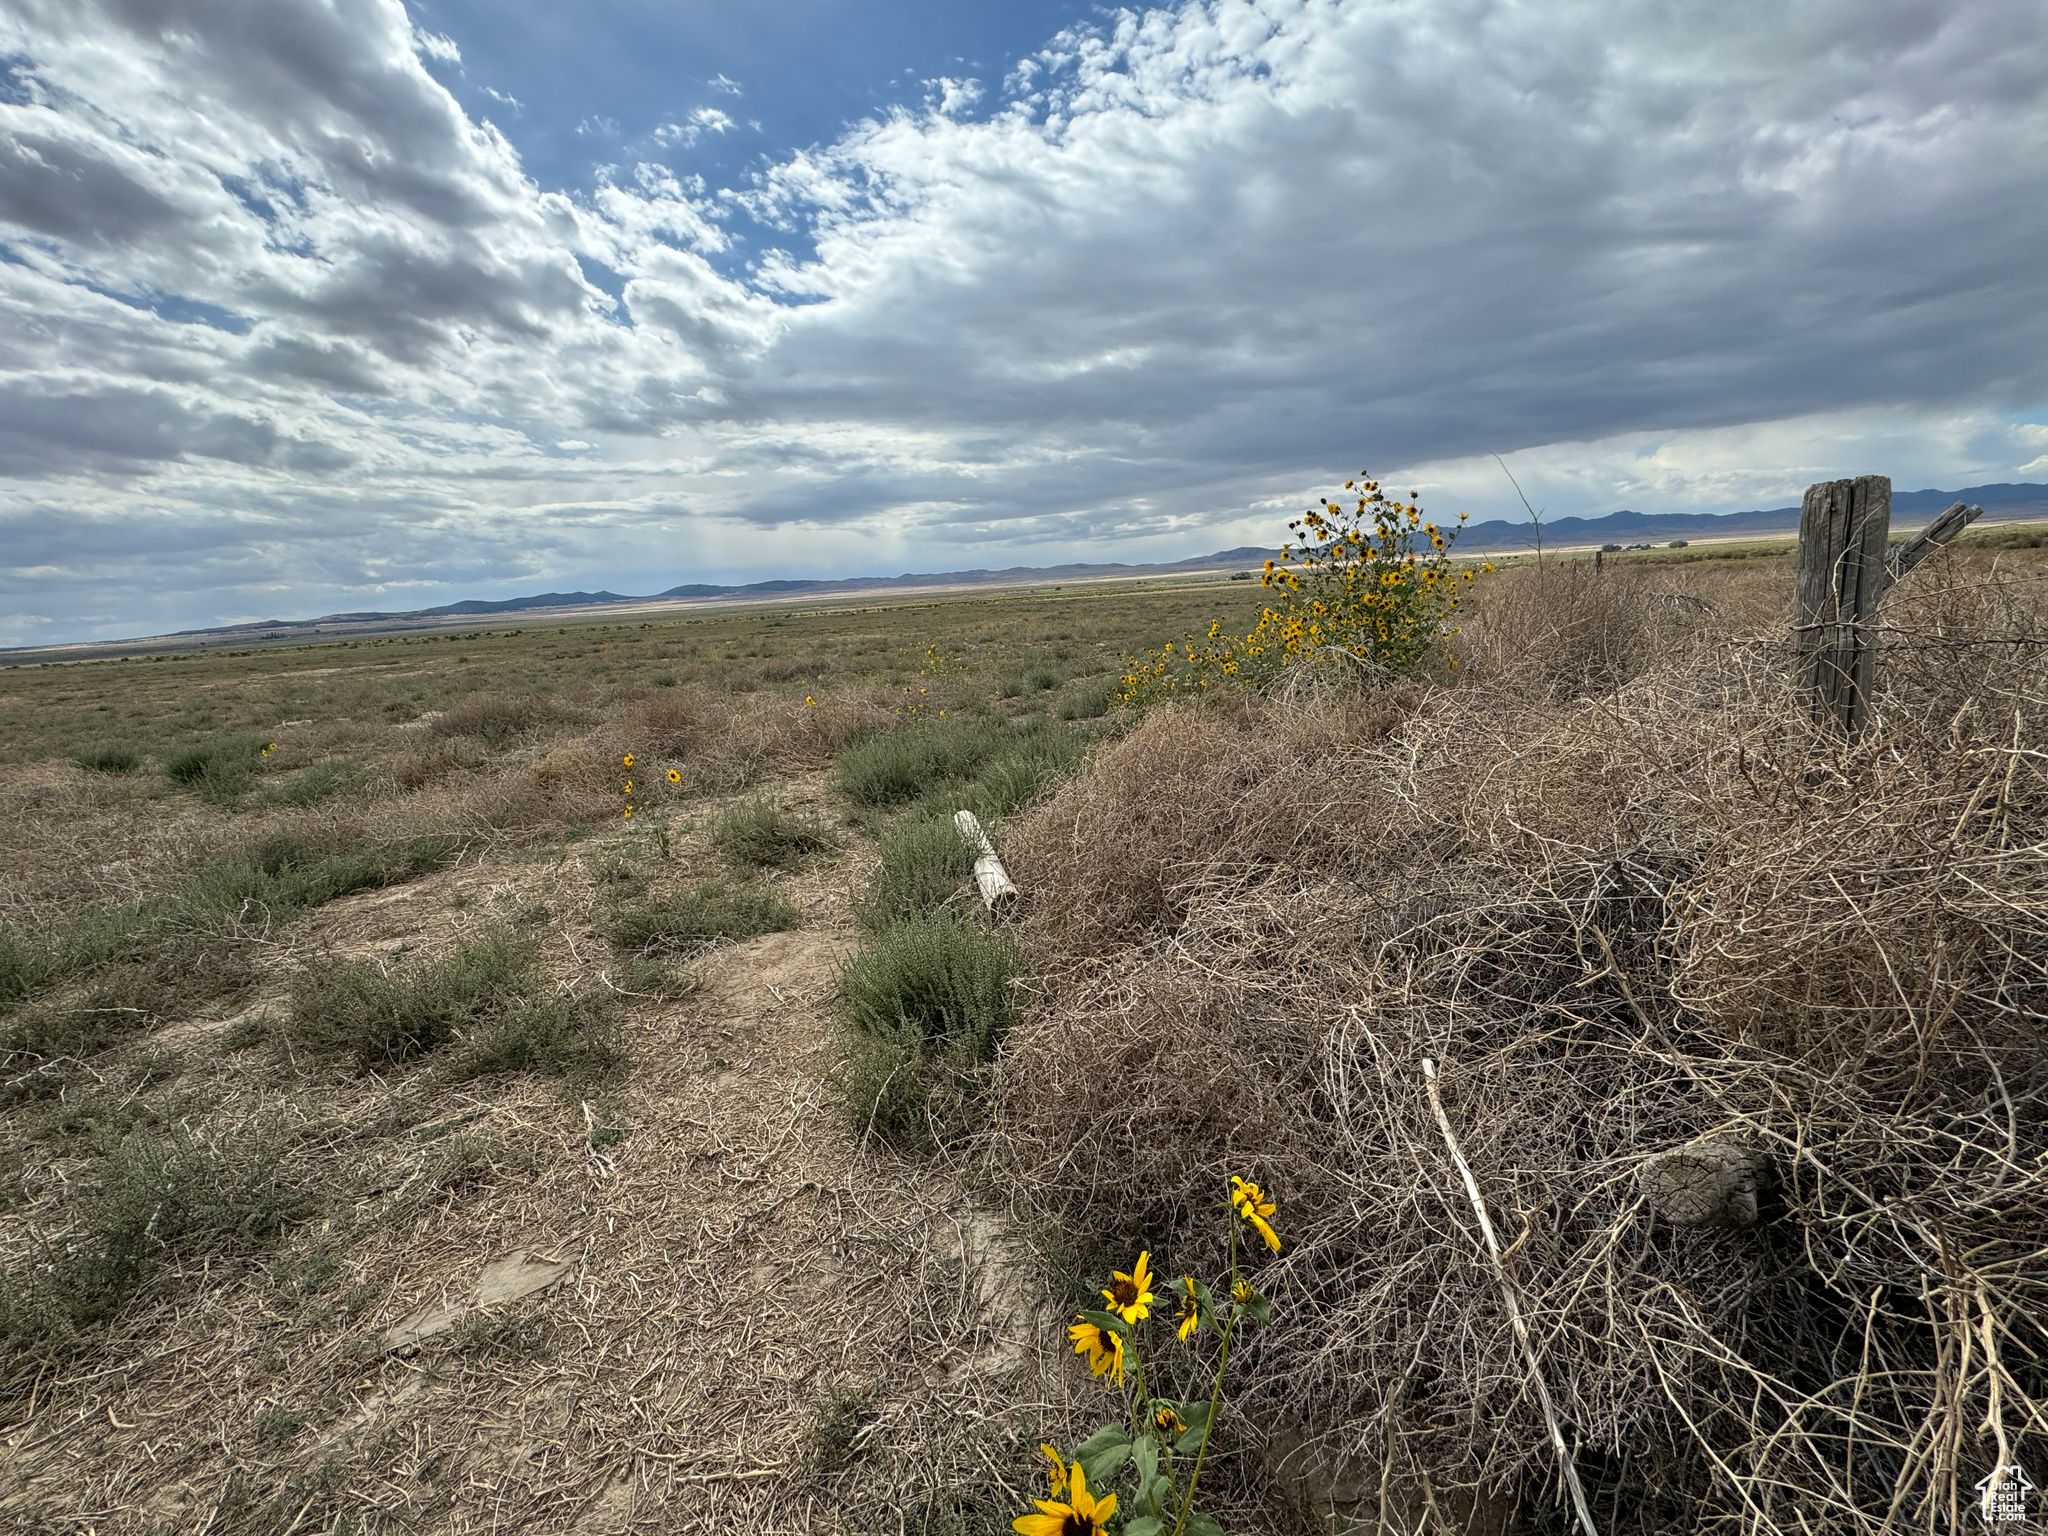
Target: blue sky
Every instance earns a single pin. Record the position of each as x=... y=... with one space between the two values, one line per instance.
x=315 y=305
x=577 y=87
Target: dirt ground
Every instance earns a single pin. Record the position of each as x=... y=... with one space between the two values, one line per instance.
x=742 y=1314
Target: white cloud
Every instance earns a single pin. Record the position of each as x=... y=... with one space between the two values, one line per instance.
x=434 y=46
x=701 y=121
x=306 y=334
x=720 y=83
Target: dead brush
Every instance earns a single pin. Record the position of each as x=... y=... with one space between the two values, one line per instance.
x=720 y=742
x=1619 y=918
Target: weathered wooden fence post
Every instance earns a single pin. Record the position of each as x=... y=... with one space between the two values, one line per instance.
x=1842 y=529
x=1843 y=572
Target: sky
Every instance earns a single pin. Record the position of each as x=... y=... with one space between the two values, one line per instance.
x=327 y=305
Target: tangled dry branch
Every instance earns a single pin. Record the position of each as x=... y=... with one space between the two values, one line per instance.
x=1623 y=909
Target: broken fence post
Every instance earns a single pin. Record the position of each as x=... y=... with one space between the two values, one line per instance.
x=1843 y=525
x=1929 y=539
x=1844 y=571
x=990 y=877
x=1712 y=1182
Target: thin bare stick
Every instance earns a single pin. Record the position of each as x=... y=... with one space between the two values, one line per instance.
x=1507 y=1291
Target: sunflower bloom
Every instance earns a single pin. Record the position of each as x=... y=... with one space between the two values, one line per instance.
x=1080 y=1514
x=674 y=777
x=1187 y=1307
x=1056 y=1474
x=1130 y=1295
x=1251 y=1203
x=1167 y=1422
x=628 y=813
x=626 y=761
x=1104 y=1349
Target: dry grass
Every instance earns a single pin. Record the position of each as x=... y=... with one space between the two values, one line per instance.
x=771 y=1323
x=1618 y=891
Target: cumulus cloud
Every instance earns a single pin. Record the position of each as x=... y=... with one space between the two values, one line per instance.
x=273 y=298
x=701 y=121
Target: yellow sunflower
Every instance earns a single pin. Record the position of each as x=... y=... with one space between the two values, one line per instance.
x=1130 y=1295
x=1056 y=1473
x=627 y=760
x=1167 y=1422
x=1080 y=1514
x=628 y=813
x=1104 y=1349
x=1187 y=1307
x=1251 y=1203
x=674 y=777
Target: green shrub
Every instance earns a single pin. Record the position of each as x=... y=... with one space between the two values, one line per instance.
x=221 y=770
x=499 y=721
x=929 y=1000
x=1090 y=701
x=646 y=977
x=706 y=912
x=925 y=862
x=322 y=781
x=946 y=980
x=353 y=1008
x=147 y=1200
x=915 y=759
x=156 y=959
x=43 y=1048
x=574 y=1038
x=108 y=758
x=841 y=1415
x=25 y=967
x=1029 y=762
x=756 y=835
x=1043 y=678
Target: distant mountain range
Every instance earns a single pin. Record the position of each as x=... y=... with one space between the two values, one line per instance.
x=1014 y=576
x=1500 y=536
x=2000 y=502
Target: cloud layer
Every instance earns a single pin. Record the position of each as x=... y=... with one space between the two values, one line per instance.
x=285 y=330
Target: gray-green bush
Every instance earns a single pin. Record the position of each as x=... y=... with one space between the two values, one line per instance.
x=354 y=1008
x=925 y=862
x=147 y=1200
x=706 y=912
x=929 y=999
x=220 y=770
x=914 y=759
x=755 y=835
x=109 y=757
x=151 y=961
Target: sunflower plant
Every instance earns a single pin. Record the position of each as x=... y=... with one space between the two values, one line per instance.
x=1137 y=1475
x=1367 y=581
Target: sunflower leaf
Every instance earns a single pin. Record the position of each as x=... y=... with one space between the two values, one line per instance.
x=1156 y=1494
x=1197 y=1420
x=1144 y=1525
x=1102 y=1440
x=1202 y=1525
x=1102 y=1466
x=1110 y=1321
x=1145 y=1457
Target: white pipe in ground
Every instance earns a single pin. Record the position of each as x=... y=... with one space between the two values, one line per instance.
x=989 y=875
